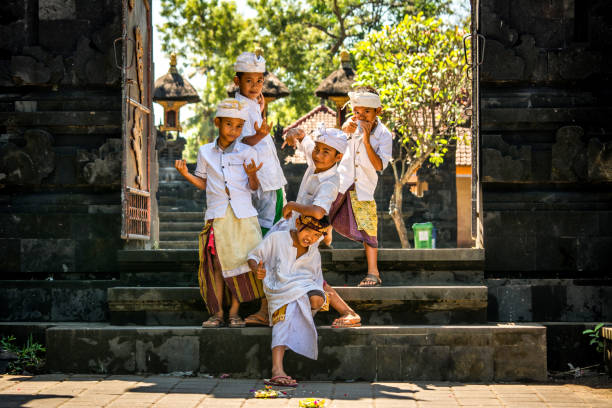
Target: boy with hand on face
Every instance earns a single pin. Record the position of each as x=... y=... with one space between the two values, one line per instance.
x=290 y=266
x=270 y=196
x=353 y=214
x=227 y=170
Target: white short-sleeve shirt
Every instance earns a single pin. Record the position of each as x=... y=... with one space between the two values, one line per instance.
x=356 y=167
x=224 y=168
x=271 y=175
x=320 y=189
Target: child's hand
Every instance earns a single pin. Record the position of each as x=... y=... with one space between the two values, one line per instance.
x=287 y=210
x=262 y=102
x=251 y=168
x=181 y=166
x=292 y=137
x=260 y=272
x=264 y=129
x=350 y=126
x=367 y=128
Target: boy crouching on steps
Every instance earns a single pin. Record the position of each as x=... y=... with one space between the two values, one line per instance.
x=290 y=266
x=226 y=169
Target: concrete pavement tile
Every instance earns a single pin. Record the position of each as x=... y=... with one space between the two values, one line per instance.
x=179 y=400
x=221 y=403
x=45 y=403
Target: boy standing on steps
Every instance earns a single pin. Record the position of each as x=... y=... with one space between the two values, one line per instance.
x=353 y=214
x=269 y=198
x=226 y=169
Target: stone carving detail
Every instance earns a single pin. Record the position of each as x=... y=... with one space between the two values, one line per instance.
x=30 y=164
x=575 y=160
x=503 y=162
x=36 y=67
x=569 y=155
x=600 y=160
x=102 y=167
x=523 y=45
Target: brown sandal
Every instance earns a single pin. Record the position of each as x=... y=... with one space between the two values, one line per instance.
x=236 y=321
x=370 y=281
x=347 y=321
x=256 y=320
x=213 y=322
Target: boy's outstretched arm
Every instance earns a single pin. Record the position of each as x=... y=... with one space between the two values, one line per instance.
x=293 y=136
x=181 y=166
x=309 y=210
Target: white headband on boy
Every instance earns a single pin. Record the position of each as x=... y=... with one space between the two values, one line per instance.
x=332 y=137
x=250 y=62
x=232 y=108
x=365 y=99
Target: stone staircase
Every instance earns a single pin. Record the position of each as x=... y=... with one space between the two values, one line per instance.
x=181 y=210
x=427 y=323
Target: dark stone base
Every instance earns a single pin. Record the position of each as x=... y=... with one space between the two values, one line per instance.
x=462 y=353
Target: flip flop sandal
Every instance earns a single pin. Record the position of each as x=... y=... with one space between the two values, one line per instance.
x=274 y=381
x=346 y=321
x=370 y=278
x=235 y=321
x=256 y=320
x=213 y=322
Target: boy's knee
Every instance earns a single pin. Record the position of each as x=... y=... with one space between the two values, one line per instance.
x=316 y=302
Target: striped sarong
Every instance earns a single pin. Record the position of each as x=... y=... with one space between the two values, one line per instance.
x=245 y=287
x=354 y=222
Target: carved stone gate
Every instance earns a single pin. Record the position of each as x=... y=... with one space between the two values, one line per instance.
x=137 y=121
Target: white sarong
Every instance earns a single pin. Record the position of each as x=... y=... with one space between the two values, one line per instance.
x=297 y=331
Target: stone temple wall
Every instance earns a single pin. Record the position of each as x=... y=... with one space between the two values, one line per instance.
x=546 y=88
x=60 y=137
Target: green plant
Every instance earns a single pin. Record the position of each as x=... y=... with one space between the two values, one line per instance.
x=596 y=339
x=418 y=67
x=30 y=357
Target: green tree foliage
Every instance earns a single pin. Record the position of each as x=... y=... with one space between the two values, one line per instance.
x=418 y=68
x=300 y=40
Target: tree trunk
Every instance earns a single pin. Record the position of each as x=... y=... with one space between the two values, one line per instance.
x=395 y=210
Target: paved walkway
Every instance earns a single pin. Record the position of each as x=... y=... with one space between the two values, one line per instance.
x=58 y=390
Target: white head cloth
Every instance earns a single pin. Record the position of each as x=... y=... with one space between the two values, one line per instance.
x=365 y=99
x=232 y=108
x=332 y=137
x=250 y=62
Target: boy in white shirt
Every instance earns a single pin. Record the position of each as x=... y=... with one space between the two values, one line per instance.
x=290 y=266
x=270 y=196
x=226 y=169
x=323 y=149
x=353 y=214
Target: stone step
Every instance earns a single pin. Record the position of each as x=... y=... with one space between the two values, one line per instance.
x=181 y=216
x=167 y=236
x=340 y=266
x=474 y=353
x=181 y=226
x=377 y=306
x=180 y=245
